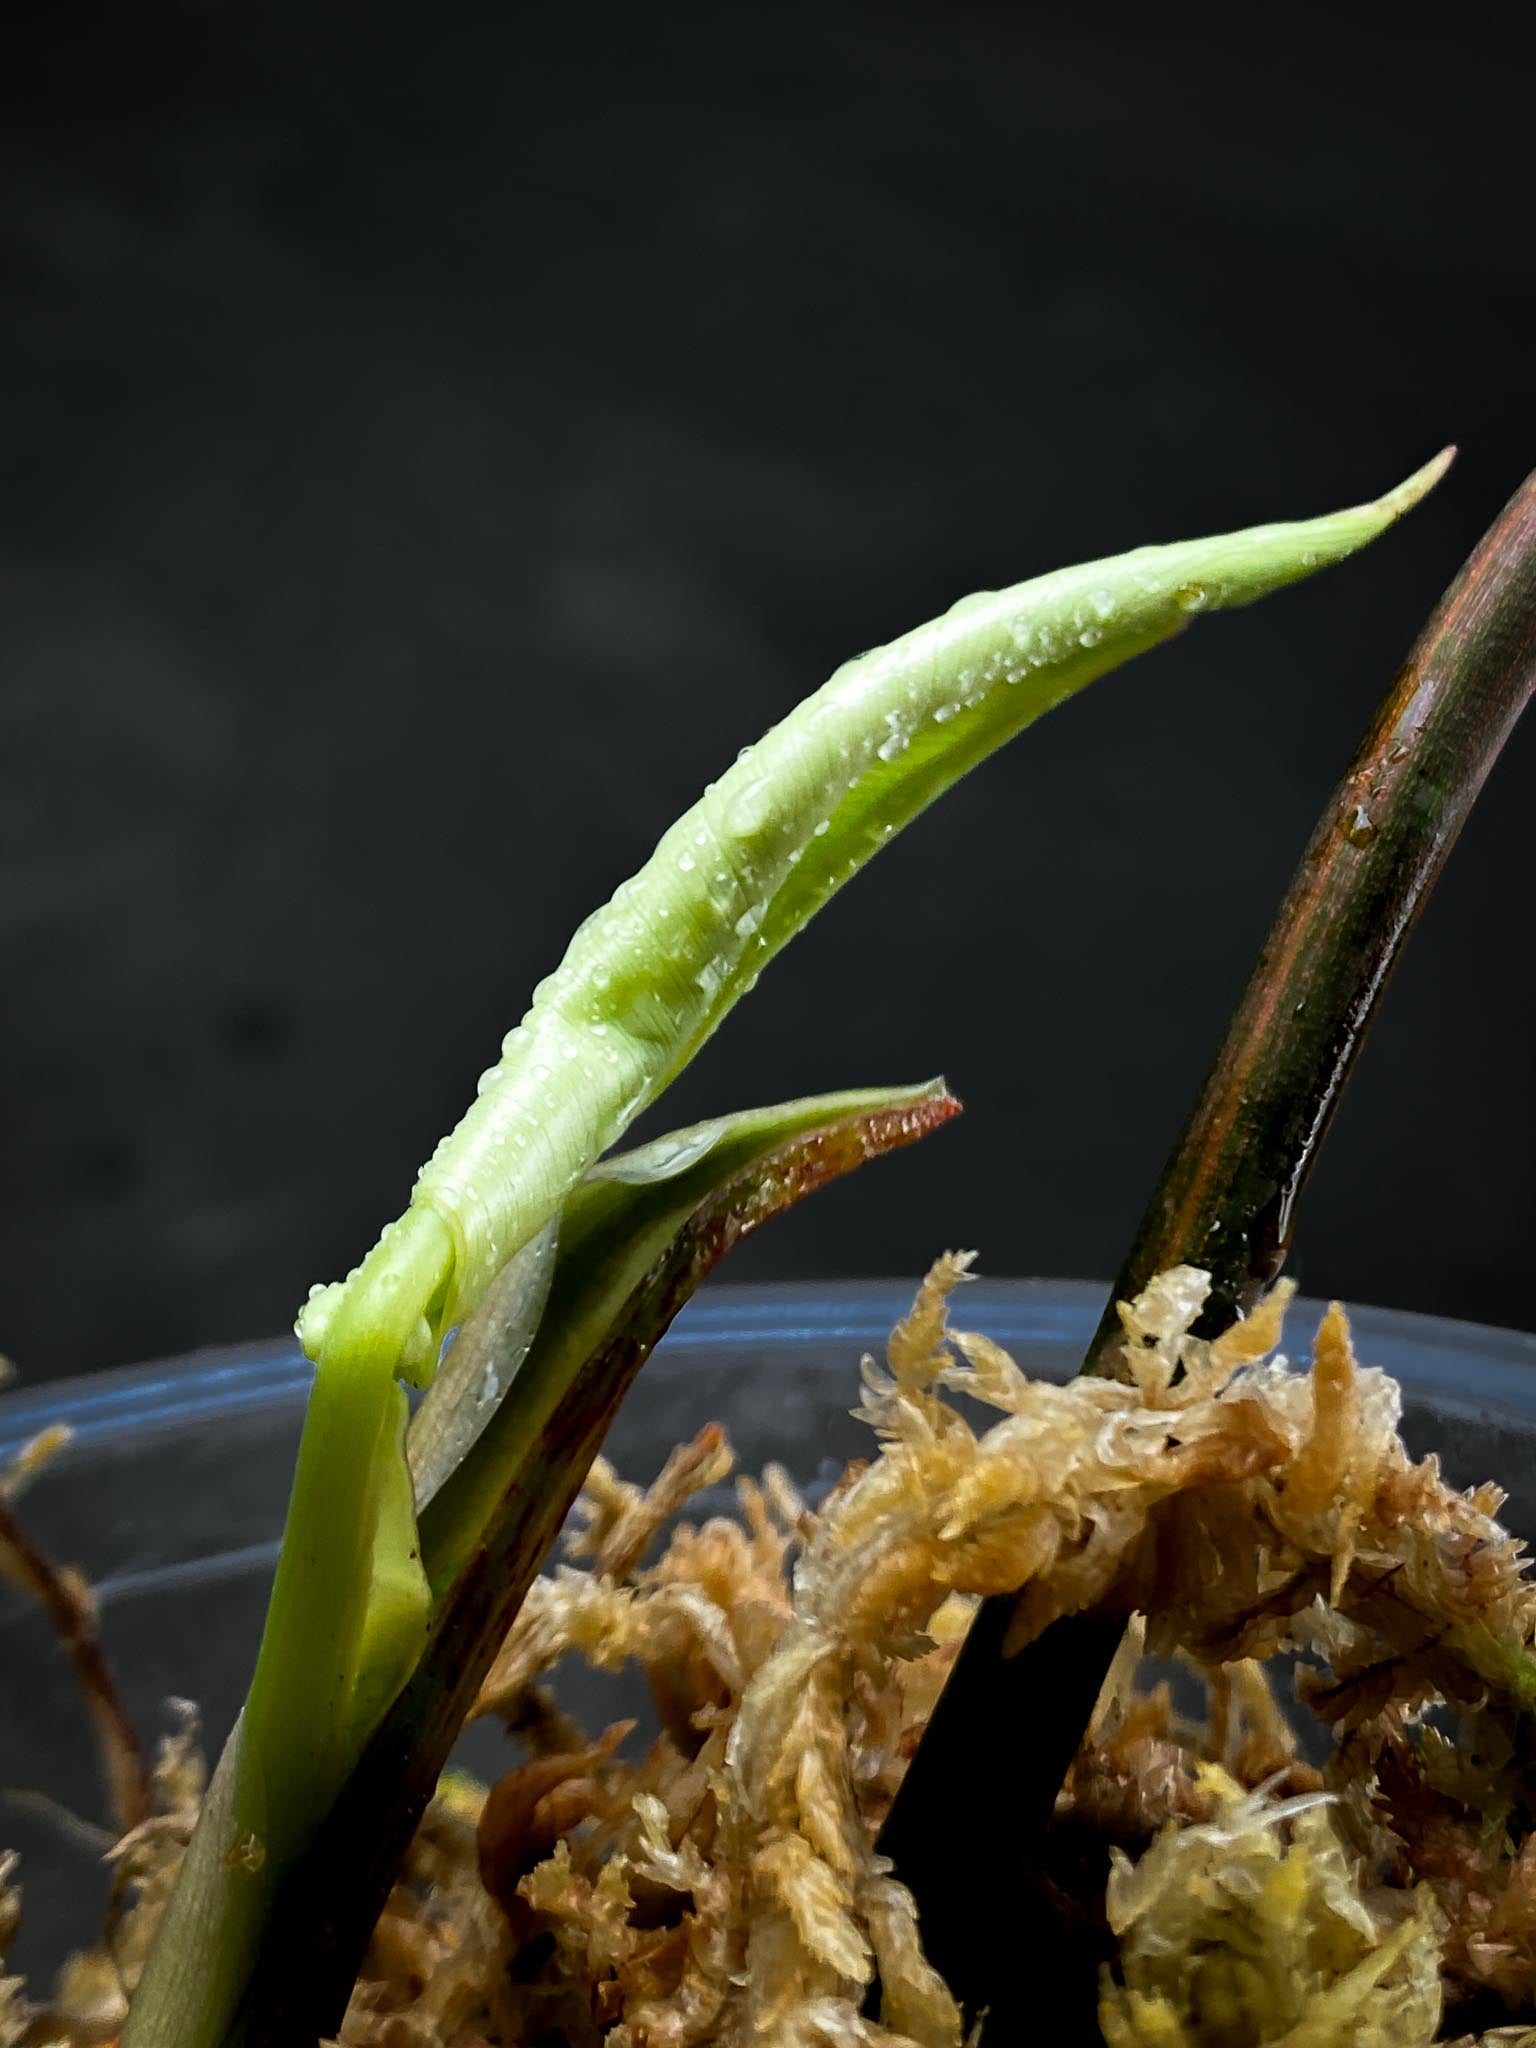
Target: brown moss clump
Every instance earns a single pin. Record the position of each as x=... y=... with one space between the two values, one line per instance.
x=720 y=1883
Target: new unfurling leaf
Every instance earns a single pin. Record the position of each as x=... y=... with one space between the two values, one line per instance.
x=648 y=978
x=643 y=985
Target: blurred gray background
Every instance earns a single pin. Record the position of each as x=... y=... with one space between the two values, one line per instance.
x=433 y=441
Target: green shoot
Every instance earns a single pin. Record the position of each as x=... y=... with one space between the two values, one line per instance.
x=641 y=1234
x=643 y=985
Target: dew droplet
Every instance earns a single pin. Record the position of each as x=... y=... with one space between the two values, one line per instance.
x=686 y=863
x=750 y=810
x=1357 y=825
x=1191 y=597
x=1090 y=636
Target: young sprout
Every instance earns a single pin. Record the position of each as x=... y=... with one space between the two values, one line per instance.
x=648 y=978
x=644 y=983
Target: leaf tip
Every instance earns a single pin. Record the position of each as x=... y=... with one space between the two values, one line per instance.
x=1404 y=496
x=939 y=1100
x=929 y=1107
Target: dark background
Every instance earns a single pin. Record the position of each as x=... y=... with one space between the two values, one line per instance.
x=431 y=444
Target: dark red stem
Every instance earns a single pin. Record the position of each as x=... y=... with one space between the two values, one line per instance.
x=1227 y=1202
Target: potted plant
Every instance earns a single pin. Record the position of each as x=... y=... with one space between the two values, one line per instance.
x=737 y=1882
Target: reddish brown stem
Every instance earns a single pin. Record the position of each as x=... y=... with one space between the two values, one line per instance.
x=1227 y=1202
x=66 y=1600
x=1227 y=1199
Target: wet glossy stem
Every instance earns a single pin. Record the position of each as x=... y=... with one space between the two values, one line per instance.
x=1227 y=1202
x=1228 y=1195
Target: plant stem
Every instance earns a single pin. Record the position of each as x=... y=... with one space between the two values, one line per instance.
x=1227 y=1202
x=66 y=1600
x=327 y=1910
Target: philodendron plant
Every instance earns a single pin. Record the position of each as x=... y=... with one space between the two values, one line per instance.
x=409 y=1543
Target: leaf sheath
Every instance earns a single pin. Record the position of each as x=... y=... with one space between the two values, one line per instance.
x=324 y=1916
